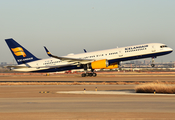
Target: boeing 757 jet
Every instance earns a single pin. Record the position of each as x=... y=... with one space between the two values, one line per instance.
x=104 y=59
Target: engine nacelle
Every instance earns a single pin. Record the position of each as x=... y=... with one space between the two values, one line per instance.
x=99 y=64
x=112 y=66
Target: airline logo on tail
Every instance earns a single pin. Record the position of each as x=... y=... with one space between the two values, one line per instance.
x=48 y=53
x=18 y=51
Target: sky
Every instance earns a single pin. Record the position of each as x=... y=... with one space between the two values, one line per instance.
x=69 y=26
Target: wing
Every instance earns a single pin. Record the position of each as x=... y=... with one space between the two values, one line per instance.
x=71 y=60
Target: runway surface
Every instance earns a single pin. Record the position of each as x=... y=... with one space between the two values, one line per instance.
x=85 y=104
x=106 y=76
x=42 y=102
x=119 y=92
x=26 y=102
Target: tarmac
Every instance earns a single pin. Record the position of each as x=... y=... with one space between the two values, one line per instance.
x=119 y=92
x=71 y=102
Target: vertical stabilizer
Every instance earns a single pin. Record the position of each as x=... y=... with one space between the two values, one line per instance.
x=21 y=55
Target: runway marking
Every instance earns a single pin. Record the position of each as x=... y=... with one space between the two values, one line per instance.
x=110 y=93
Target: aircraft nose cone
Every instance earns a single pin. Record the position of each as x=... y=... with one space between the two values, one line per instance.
x=171 y=49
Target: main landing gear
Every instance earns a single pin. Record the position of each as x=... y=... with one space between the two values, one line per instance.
x=86 y=74
x=89 y=74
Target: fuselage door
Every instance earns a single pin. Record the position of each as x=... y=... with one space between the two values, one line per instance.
x=153 y=49
x=37 y=66
x=120 y=54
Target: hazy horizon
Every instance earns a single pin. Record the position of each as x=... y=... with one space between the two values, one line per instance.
x=71 y=26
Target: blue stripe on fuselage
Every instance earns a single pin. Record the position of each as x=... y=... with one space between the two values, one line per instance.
x=138 y=57
x=110 y=62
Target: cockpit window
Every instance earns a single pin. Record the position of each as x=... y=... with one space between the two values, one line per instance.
x=163 y=46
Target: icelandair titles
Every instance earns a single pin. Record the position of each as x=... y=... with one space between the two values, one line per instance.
x=136 y=48
x=25 y=59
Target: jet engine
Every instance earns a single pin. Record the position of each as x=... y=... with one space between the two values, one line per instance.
x=99 y=64
x=112 y=66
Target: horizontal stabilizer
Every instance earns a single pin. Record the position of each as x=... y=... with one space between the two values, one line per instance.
x=16 y=67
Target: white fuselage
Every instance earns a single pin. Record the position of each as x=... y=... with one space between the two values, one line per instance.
x=116 y=54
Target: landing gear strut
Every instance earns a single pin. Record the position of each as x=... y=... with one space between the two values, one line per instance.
x=152 y=64
x=86 y=74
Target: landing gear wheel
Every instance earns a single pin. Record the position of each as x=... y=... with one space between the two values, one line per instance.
x=152 y=65
x=90 y=74
x=83 y=75
x=94 y=74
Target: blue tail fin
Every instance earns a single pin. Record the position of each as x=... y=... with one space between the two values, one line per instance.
x=21 y=55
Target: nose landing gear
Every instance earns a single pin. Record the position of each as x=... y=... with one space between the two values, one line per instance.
x=152 y=64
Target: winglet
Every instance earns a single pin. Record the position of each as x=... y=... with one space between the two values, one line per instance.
x=48 y=53
x=85 y=50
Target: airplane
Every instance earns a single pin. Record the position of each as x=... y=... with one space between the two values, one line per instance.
x=104 y=59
